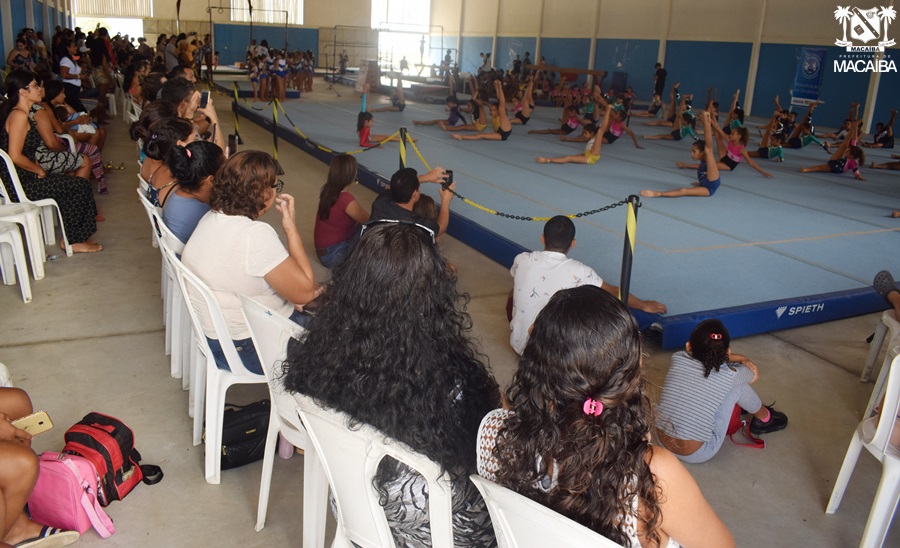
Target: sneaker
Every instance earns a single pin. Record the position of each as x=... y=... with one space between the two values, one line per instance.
x=777 y=421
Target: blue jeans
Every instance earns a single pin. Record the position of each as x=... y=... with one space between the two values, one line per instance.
x=246 y=350
x=334 y=255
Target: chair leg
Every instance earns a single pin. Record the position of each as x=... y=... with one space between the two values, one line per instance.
x=35 y=243
x=21 y=267
x=884 y=505
x=215 y=407
x=176 y=366
x=265 y=482
x=840 y=484
x=188 y=348
x=315 y=499
x=198 y=390
x=874 y=349
x=8 y=262
x=48 y=216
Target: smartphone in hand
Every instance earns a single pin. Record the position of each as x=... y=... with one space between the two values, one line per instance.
x=35 y=423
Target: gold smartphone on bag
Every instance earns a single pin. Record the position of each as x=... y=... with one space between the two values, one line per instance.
x=35 y=423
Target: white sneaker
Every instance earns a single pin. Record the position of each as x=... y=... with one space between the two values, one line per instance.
x=4 y=377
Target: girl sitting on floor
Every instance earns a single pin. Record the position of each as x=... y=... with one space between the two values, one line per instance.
x=704 y=384
x=707 y=170
x=848 y=157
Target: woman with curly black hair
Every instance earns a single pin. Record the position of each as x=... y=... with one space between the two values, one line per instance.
x=576 y=436
x=391 y=348
x=235 y=254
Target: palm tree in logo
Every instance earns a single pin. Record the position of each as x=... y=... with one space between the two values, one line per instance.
x=842 y=15
x=887 y=15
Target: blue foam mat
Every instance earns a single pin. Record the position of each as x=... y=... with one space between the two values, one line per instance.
x=821 y=303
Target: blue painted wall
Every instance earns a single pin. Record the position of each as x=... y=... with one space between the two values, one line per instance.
x=888 y=98
x=471 y=47
x=567 y=52
x=702 y=65
x=636 y=57
x=38 y=10
x=777 y=67
x=18 y=17
x=510 y=46
x=232 y=40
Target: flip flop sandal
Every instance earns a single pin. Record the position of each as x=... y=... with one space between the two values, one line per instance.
x=50 y=537
x=884 y=283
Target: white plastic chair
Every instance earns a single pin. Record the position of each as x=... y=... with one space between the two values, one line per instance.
x=216 y=381
x=270 y=333
x=520 y=522
x=70 y=141
x=177 y=319
x=350 y=458
x=14 y=258
x=875 y=433
x=47 y=206
x=887 y=324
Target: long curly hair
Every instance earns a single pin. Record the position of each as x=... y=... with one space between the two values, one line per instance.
x=391 y=348
x=584 y=344
x=341 y=174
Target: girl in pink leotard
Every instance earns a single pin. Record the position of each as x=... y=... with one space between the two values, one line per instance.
x=734 y=146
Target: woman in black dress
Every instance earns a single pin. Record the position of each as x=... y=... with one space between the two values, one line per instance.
x=19 y=137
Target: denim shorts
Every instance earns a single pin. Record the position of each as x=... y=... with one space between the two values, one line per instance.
x=246 y=350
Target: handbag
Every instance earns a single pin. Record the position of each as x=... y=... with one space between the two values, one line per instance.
x=244 y=430
x=65 y=495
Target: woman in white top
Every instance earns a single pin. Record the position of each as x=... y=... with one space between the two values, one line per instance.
x=576 y=436
x=235 y=254
x=70 y=74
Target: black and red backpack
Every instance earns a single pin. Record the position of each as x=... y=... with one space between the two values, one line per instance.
x=108 y=444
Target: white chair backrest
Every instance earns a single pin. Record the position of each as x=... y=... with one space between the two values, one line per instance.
x=350 y=458
x=201 y=299
x=70 y=141
x=17 y=184
x=11 y=169
x=520 y=522
x=164 y=232
x=879 y=439
x=270 y=332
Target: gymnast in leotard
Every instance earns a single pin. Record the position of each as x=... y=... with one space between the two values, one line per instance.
x=707 y=172
x=398 y=101
x=476 y=107
x=364 y=123
x=499 y=119
x=591 y=150
x=522 y=106
x=674 y=97
x=254 y=77
x=771 y=146
x=848 y=157
x=452 y=119
x=734 y=147
x=656 y=109
x=570 y=123
x=684 y=124
x=884 y=134
x=802 y=134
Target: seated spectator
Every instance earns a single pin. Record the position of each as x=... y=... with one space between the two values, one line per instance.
x=151 y=86
x=193 y=167
x=134 y=75
x=398 y=201
x=539 y=274
x=703 y=385
x=576 y=434
x=235 y=254
x=153 y=113
x=164 y=136
x=391 y=348
x=20 y=57
x=181 y=93
x=51 y=154
x=339 y=213
x=19 y=137
x=182 y=71
x=18 y=474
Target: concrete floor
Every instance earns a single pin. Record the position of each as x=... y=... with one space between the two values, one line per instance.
x=93 y=340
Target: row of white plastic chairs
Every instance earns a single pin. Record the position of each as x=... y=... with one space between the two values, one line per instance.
x=37 y=219
x=335 y=455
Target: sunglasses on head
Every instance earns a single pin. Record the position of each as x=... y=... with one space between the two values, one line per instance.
x=398 y=222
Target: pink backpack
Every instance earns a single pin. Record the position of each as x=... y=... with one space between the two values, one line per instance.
x=66 y=495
